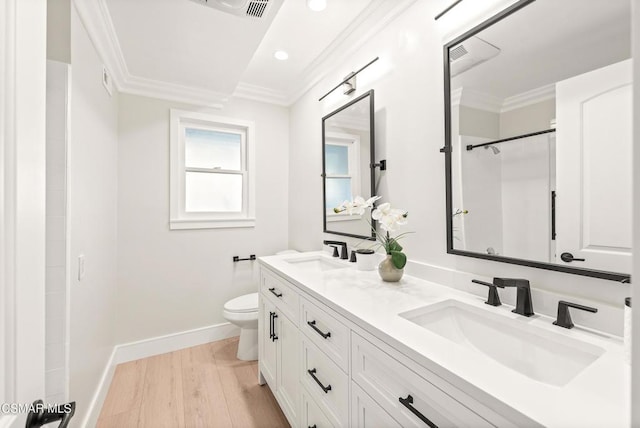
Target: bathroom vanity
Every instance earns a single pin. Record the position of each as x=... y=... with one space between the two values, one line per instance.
x=339 y=347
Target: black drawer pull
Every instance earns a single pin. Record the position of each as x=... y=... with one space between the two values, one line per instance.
x=273 y=321
x=275 y=293
x=313 y=426
x=407 y=402
x=327 y=388
x=312 y=324
x=270 y=325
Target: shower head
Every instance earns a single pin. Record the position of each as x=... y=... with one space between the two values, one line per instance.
x=494 y=149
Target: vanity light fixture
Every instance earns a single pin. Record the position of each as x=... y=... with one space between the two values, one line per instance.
x=281 y=55
x=317 y=5
x=349 y=84
x=350 y=81
x=451 y=6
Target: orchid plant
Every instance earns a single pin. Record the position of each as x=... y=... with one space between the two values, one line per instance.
x=389 y=219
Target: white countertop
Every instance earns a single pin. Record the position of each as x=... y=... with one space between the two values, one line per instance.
x=599 y=396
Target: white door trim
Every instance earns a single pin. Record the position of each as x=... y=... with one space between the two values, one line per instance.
x=22 y=200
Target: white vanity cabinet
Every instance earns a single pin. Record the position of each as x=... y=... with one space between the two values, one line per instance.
x=279 y=343
x=327 y=371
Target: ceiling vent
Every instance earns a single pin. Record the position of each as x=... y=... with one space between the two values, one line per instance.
x=470 y=53
x=245 y=8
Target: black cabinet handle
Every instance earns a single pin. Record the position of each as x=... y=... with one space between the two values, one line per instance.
x=407 y=402
x=270 y=325
x=275 y=293
x=274 y=337
x=312 y=373
x=313 y=426
x=568 y=257
x=312 y=324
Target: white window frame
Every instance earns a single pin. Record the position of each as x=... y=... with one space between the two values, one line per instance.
x=179 y=217
x=352 y=142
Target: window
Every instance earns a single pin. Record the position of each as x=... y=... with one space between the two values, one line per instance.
x=212 y=171
x=342 y=173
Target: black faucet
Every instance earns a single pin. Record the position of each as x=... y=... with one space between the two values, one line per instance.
x=524 y=305
x=493 y=299
x=344 y=254
x=564 y=317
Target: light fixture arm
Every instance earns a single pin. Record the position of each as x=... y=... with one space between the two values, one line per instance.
x=349 y=77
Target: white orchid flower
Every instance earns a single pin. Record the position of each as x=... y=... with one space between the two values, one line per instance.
x=389 y=218
x=357 y=206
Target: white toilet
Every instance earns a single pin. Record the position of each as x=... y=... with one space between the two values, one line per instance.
x=243 y=312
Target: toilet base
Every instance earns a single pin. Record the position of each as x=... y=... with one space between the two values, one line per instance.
x=248 y=344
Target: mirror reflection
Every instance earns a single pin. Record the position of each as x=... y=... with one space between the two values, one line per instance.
x=348 y=152
x=540 y=122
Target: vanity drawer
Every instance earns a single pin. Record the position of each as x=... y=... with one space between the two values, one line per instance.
x=324 y=328
x=312 y=416
x=366 y=413
x=282 y=294
x=407 y=397
x=326 y=383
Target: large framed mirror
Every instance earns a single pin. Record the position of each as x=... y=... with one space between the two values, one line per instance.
x=348 y=153
x=538 y=133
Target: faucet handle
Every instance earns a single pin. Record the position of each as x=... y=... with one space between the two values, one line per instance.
x=493 y=299
x=564 y=317
x=335 y=250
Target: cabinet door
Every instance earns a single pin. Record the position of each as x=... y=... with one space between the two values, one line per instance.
x=366 y=413
x=288 y=342
x=268 y=347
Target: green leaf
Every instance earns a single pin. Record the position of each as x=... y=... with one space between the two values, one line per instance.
x=399 y=259
x=394 y=246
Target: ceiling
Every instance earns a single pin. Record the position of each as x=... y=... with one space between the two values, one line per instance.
x=183 y=47
x=548 y=41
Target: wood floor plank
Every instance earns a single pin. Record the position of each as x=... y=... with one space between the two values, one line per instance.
x=249 y=404
x=202 y=386
x=162 y=399
x=121 y=420
x=125 y=391
x=204 y=401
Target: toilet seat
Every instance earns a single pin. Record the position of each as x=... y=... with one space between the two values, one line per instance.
x=243 y=304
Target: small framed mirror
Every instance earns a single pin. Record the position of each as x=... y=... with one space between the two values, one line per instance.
x=348 y=153
x=538 y=138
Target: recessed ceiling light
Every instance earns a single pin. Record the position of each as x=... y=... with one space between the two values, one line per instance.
x=317 y=5
x=281 y=55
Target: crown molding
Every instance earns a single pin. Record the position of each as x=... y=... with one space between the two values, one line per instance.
x=95 y=16
x=533 y=96
x=97 y=21
x=475 y=99
x=260 y=93
x=374 y=18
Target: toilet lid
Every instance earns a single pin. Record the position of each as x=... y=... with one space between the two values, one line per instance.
x=246 y=303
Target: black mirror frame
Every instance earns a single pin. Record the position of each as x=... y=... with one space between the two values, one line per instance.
x=612 y=276
x=371 y=162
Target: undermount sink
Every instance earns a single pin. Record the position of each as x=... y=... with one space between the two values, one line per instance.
x=541 y=355
x=316 y=263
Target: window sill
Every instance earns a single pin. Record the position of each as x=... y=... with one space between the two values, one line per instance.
x=180 y=224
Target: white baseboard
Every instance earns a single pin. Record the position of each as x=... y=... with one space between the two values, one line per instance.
x=147 y=348
x=173 y=342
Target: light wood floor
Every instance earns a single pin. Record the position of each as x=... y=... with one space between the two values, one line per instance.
x=203 y=386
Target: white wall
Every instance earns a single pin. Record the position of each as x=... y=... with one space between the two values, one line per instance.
x=59 y=30
x=171 y=281
x=408 y=81
x=56 y=234
x=92 y=214
x=531 y=118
